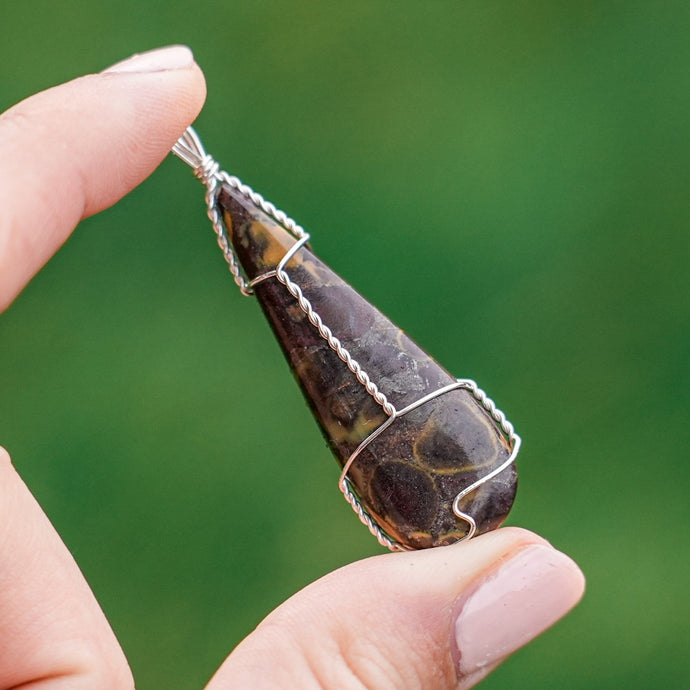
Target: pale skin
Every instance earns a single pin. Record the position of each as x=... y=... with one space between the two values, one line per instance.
x=441 y=618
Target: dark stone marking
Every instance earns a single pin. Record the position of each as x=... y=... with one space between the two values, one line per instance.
x=407 y=477
x=405 y=494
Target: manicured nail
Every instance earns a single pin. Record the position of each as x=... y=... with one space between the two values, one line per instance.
x=160 y=60
x=513 y=604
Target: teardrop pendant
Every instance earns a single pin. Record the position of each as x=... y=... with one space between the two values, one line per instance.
x=426 y=459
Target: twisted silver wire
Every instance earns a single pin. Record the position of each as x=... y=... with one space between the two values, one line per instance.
x=190 y=149
x=334 y=343
x=266 y=206
x=368 y=520
x=514 y=442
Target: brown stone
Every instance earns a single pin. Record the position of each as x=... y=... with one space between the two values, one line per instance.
x=408 y=476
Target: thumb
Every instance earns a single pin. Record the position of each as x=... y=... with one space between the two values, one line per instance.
x=440 y=618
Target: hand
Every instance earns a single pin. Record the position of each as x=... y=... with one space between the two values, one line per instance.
x=441 y=618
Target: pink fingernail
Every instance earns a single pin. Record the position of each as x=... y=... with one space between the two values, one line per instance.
x=514 y=604
x=160 y=60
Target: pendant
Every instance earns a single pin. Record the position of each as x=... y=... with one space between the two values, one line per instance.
x=427 y=459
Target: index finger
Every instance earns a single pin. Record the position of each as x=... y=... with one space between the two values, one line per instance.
x=75 y=149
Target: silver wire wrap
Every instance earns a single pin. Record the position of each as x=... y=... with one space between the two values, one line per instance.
x=190 y=149
x=488 y=404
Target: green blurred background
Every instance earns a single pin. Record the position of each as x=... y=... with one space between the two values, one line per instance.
x=508 y=181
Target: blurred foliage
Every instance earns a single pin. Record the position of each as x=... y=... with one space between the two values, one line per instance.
x=506 y=180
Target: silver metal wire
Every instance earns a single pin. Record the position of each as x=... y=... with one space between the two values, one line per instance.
x=513 y=439
x=190 y=149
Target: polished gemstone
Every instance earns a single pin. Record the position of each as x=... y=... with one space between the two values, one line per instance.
x=407 y=476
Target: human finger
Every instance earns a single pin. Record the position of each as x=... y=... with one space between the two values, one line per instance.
x=439 y=618
x=69 y=152
x=53 y=633
x=77 y=148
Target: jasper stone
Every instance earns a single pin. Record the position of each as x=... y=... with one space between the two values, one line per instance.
x=408 y=476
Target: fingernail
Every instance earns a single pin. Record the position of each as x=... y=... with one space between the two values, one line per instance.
x=514 y=604
x=160 y=60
